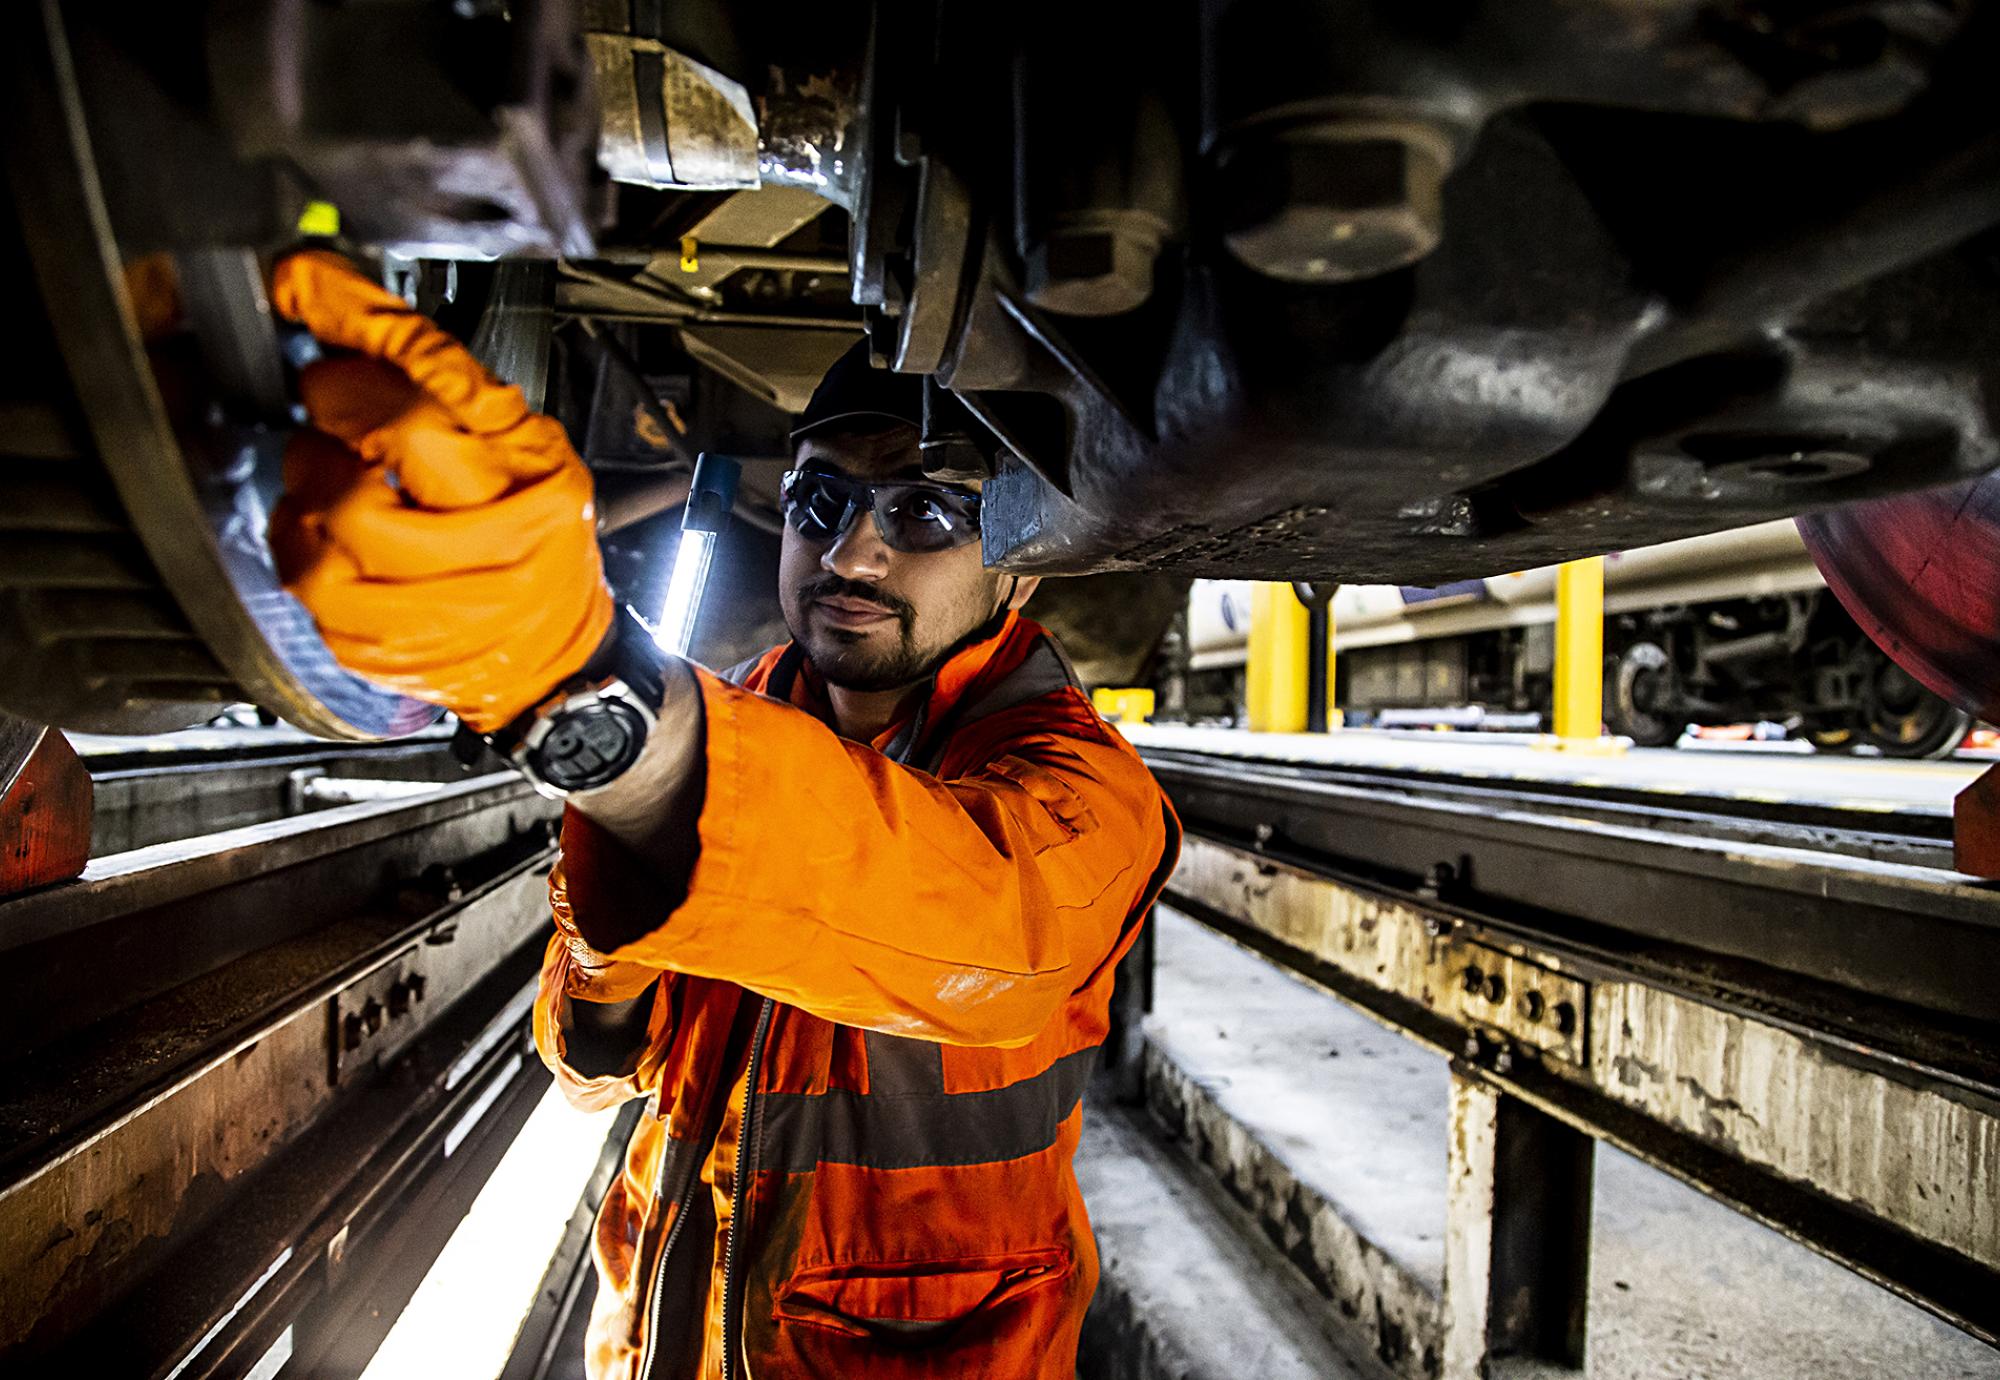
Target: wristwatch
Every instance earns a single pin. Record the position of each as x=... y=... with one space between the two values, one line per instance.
x=589 y=730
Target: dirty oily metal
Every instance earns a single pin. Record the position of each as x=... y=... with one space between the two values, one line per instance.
x=153 y=1120
x=1394 y=947
x=1927 y=1162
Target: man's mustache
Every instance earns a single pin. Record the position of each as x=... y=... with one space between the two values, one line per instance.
x=834 y=587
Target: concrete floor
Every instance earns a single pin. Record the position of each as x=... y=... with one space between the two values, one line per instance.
x=1680 y=1285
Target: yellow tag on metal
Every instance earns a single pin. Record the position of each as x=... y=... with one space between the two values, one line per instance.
x=690 y=259
x=320 y=219
x=1130 y=706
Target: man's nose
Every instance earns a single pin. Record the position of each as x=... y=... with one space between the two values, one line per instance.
x=858 y=553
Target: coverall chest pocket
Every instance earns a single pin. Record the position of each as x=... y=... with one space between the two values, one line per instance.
x=930 y=1303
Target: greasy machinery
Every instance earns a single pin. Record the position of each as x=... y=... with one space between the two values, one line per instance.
x=1323 y=288
x=1719 y=629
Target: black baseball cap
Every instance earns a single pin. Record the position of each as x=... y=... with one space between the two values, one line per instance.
x=856 y=396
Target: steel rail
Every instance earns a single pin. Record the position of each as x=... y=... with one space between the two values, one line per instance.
x=1921 y=936
x=1918 y=837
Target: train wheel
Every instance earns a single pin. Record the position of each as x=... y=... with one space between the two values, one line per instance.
x=1641 y=679
x=1830 y=738
x=1903 y=719
x=1921 y=574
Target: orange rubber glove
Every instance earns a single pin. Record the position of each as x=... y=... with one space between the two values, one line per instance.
x=442 y=535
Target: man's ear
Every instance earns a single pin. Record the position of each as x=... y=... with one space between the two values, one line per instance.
x=1024 y=589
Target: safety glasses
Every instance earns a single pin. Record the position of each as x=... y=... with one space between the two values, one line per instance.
x=909 y=517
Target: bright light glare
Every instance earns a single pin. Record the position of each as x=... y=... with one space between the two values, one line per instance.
x=676 y=627
x=463 y=1319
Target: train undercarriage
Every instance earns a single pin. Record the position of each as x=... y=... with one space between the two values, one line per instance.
x=1304 y=290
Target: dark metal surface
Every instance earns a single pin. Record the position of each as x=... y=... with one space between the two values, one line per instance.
x=1462 y=302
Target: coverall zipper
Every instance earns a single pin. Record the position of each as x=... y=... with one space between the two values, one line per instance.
x=746 y=1169
x=682 y=1199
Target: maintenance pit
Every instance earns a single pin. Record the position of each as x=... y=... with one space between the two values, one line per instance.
x=1478 y=1032
x=1717 y=1103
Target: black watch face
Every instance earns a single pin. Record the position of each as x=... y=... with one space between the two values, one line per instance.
x=588 y=747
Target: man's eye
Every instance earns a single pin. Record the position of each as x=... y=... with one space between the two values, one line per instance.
x=924 y=508
x=821 y=504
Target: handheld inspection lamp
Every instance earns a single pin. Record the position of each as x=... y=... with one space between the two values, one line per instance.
x=710 y=497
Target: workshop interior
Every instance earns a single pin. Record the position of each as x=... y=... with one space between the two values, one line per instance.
x=1522 y=473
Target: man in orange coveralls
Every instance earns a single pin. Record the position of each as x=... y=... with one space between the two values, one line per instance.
x=848 y=923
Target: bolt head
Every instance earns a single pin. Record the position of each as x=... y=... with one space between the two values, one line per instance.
x=1334 y=200
x=1531 y=1005
x=1095 y=264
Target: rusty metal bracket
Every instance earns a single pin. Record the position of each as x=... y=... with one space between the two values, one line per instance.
x=373 y=1019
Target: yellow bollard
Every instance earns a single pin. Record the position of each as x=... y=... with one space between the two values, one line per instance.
x=1579 y=687
x=1274 y=688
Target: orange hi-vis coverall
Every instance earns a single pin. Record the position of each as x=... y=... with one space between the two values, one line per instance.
x=874 y=1014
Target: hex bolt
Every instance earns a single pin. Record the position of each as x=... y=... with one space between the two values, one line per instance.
x=1334 y=200
x=1503 y=1062
x=1095 y=264
x=1565 y=1018
x=1437 y=877
x=1472 y=1045
x=1496 y=988
x=1530 y=1005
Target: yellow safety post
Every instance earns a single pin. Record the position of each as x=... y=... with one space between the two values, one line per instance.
x=1274 y=678
x=1580 y=650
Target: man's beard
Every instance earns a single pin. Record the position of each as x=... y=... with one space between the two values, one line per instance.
x=845 y=659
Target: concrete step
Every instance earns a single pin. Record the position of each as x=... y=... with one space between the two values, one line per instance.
x=1187 y=1291
x=1329 y=1133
